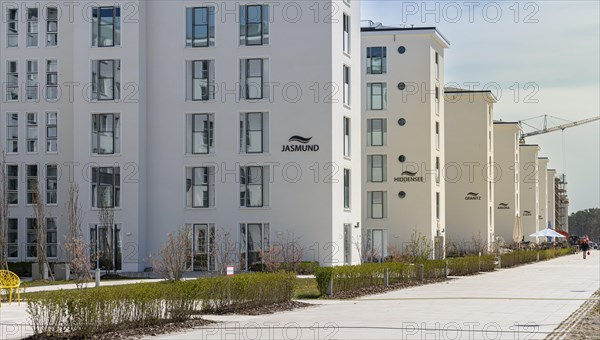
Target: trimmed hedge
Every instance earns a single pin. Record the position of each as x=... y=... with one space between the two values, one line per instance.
x=349 y=278
x=519 y=257
x=83 y=313
x=471 y=265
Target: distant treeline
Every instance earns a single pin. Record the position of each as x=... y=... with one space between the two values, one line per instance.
x=585 y=222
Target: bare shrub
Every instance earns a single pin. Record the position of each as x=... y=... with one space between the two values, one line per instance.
x=77 y=255
x=174 y=255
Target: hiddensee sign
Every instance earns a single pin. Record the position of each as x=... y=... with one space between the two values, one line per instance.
x=302 y=147
x=408 y=176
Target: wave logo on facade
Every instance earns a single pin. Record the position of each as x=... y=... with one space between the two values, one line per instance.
x=303 y=145
x=408 y=176
x=526 y=213
x=473 y=196
x=503 y=206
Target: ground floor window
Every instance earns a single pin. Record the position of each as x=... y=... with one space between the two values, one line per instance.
x=105 y=247
x=203 y=247
x=13 y=238
x=376 y=245
x=347 y=244
x=254 y=240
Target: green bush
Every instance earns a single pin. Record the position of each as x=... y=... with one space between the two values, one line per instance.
x=82 y=313
x=471 y=265
x=519 y=257
x=307 y=267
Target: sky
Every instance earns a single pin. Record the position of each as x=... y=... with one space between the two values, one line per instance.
x=549 y=50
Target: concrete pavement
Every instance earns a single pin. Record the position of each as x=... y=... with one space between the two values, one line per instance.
x=526 y=302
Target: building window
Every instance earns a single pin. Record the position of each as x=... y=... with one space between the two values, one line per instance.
x=347 y=244
x=376 y=132
x=12 y=132
x=51 y=237
x=200 y=134
x=253 y=186
x=32 y=132
x=376 y=204
x=106 y=26
x=346 y=37
x=12 y=80
x=376 y=60
x=32 y=27
x=51 y=132
x=347 y=137
x=377 y=168
x=437 y=205
x=254 y=78
x=437 y=170
x=254 y=240
x=200 y=184
x=32 y=183
x=437 y=65
x=200 y=27
x=376 y=96
x=437 y=99
x=32 y=80
x=201 y=80
x=13 y=238
x=346 y=189
x=376 y=245
x=204 y=246
x=106 y=133
x=106 y=79
x=12 y=27
x=51 y=26
x=31 y=237
x=51 y=184
x=12 y=174
x=254 y=135
x=105 y=247
x=437 y=135
x=51 y=79
x=346 y=89
x=254 y=25
x=106 y=187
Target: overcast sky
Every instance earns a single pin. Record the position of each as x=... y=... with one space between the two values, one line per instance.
x=552 y=47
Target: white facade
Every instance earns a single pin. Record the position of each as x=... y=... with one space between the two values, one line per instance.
x=402 y=90
x=543 y=192
x=529 y=181
x=469 y=171
x=506 y=185
x=551 y=198
x=276 y=144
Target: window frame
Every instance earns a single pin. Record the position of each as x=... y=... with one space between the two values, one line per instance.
x=347 y=189
x=97 y=26
x=371 y=132
x=265 y=241
x=382 y=161
x=13 y=179
x=382 y=60
x=115 y=79
x=12 y=230
x=371 y=197
x=263 y=23
x=12 y=141
x=192 y=24
x=49 y=126
x=383 y=96
x=245 y=133
x=247 y=77
x=12 y=34
x=115 y=186
x=347 y=126
x=98 y=134
x=51 y=191
x=204 y=186
x=346 y=85
x=32 y=33
x=205 y=76
x=31 y=180
x=12 y=84
x=246 y=184
x=51 y=235
x=32 y=140
x=51 y=80
x=206 y=134
x=51 y=19
x=346 y=34
x=32 y=80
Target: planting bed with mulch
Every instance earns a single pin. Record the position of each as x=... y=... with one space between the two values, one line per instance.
x=381 y=289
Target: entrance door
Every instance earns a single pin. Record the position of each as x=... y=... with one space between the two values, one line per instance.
x=204 y=243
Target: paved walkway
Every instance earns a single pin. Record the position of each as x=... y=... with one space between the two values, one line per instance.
x=526 y=302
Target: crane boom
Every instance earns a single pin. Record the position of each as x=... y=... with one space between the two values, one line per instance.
x=559 y=127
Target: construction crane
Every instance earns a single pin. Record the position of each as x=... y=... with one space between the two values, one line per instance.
x=546 y=129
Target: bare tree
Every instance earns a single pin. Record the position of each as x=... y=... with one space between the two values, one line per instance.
x=419 y=248
x=174 y=255
x=39 y=211
x=285 y=253
x=106 y=215
x=224 y=251
x=77 y=255
x=3 y=212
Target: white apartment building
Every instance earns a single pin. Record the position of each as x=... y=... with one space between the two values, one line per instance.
x=402 y=142
x=551 y=212
x=529 y=182
x=543 y=192
x=210 y=115
x=469 y=169
x=506 y=184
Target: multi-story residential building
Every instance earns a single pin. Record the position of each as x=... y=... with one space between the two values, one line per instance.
x=543 y=192
x=402 y=142
x=506 y=184
x=469 y=169
x=529 y=181
x=551 y=212
x=222 y=123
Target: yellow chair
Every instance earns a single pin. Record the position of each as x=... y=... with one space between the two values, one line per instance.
x=10 y=281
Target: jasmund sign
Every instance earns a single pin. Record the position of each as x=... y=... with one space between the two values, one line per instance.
x=302 y=147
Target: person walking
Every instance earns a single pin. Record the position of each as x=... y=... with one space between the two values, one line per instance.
x=585 y=246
